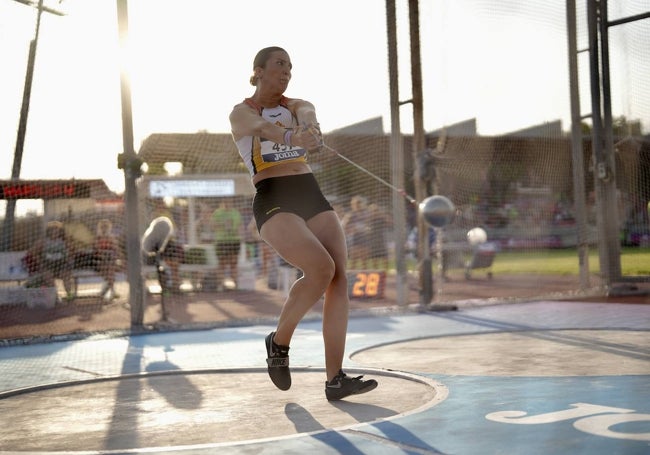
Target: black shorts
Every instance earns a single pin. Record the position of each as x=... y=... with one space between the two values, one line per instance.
x=298 y=194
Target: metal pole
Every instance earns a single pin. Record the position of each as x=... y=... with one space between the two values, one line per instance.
x=130 y=164
x=600 y=169
x=625 y=20
x=604 y=176
x=612 y=226
x=579 y=199
x=416 y=79
x=424 y=247
x=8 y=229
x=397 y=156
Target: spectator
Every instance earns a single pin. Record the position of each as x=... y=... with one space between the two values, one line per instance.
x=105 y=252
x=357 y=230
x=264 y=252
x=228 y=229
x=205 y=236
x=378 y=224
x=51 y=258
x=205 y=226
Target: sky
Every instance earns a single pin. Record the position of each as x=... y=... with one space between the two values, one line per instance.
x=501 y=62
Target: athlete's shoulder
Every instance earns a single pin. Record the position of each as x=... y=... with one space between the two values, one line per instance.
x=246 y=105
x=295 y=102
x=242 y=113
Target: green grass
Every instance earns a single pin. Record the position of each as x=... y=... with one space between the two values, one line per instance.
x=634 y=261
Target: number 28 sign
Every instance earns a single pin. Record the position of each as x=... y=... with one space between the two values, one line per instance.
x=366 y=284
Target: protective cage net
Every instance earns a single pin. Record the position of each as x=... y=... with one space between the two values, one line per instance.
x=65 y=272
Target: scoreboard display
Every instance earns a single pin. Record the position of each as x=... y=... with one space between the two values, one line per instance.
x=44 y=189
x=366 y=284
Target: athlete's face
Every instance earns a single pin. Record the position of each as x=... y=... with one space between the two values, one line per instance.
x=277 y=71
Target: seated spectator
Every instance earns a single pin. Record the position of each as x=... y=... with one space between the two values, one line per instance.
x=105 y=251
x=378 y=225
x=357 y=231
x=51 y=258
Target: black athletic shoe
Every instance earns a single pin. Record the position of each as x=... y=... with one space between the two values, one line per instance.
x=342 y=386
x=278 y=363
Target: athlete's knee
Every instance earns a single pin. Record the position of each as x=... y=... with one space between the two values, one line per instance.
x=339 y=283
x=340 y=279
x=326 y=272
x=322 y=274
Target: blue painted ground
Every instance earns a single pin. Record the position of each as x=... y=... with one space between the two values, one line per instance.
x=481 y=414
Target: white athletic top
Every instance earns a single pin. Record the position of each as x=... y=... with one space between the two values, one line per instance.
x=259 y=153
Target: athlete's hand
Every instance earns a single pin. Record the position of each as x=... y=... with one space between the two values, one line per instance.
x=307 y=136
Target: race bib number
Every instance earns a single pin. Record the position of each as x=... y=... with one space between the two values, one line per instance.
x=273 y=152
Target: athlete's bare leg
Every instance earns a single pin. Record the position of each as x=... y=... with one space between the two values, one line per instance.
x=318 y=249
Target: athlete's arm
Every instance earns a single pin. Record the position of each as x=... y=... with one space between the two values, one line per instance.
x=305 y=112
x=244 y=121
